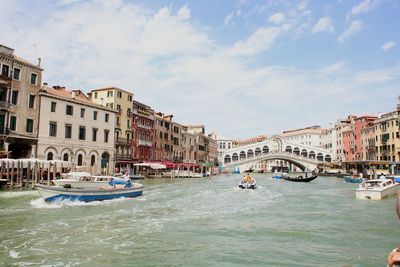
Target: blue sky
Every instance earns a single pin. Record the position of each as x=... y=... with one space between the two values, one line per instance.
x=242 y=68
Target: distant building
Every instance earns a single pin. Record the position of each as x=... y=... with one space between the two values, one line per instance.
x=309 y=136
x=20 y=83
x=387 y=139
x=74 y=129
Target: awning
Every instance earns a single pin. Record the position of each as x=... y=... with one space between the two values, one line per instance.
x=155 y=166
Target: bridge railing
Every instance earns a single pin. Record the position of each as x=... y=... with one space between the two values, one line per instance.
x=272 y=154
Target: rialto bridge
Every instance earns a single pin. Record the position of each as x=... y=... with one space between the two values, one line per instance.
x=276 y=148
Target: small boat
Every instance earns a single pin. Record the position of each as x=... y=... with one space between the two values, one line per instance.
x=354 y=179
x=244 y=185
x=59 y=193
x=131 y=176
x=279 y=175
x=376 y=189
x=249 y=170
x=300 y=178
x=3 y=182
x=84 y=180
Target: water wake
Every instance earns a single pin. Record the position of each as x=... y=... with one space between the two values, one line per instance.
x=14 y=194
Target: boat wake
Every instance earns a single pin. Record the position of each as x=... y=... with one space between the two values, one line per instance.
x=39 y=203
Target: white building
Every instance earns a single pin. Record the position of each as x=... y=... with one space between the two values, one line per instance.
x=309 y=136
x=73 y=129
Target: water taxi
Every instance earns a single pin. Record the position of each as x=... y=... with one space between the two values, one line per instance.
x=84 y=180
x=376 y=189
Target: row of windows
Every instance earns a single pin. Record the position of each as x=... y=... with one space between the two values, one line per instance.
x=110 y=94
x=16 y=73
x=81 y=133
x=69 y=110
x=14 y=99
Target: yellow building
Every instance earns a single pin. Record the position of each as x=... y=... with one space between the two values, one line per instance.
x=387 y=142
x=122 y=102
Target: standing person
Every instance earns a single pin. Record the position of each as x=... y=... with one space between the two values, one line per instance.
x=247 y=179
x=382 y=176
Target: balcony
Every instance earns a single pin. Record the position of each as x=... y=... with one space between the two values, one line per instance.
x=144 y=143
x=4 y=105
x=122 y=140
x=144 y=126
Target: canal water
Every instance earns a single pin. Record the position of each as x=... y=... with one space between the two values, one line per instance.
x=203 y=222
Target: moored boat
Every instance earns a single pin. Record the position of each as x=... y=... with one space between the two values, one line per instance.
x=376 y=189
x=279 y=175
x=58 y=193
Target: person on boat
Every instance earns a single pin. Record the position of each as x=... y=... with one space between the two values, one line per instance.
x=248 y=179
x=382 y=176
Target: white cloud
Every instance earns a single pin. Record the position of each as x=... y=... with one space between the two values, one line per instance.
x=260 y=40
x=323 y=25
x=388 y=45
x=334 y=68
x=277 y=18
x=354 y=27
x=228 y=19
x=365 y=6
x=184 y=13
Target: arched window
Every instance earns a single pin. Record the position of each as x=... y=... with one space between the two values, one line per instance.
x=50 y=156
x=328 y=158
x=227 y=159
x=65 y=157
x=258 y=151
x=92 y=160
x=80 y=160
x=288 y=149
x=265 y=149
x=320 y=157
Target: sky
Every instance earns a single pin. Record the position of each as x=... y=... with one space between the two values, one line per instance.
x=240 y=67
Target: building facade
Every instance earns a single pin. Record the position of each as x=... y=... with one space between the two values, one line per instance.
x=143 y=124
x=74 y=129
x=121 y=102
x=20 y=83
x=387 y=140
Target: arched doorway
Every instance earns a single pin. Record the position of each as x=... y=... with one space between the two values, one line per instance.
x=258 y=151
x=235 y=157
x=242 y=155
x=227 y=159
x=92 y=160
x=288 y=149
x=105 y=158
x=296 y=151
x=250 y=153
x=50 y=156
x=304 y=153
x=80 y=160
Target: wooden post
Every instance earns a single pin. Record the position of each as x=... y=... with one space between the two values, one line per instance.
x=9 y=176
x=48 y=174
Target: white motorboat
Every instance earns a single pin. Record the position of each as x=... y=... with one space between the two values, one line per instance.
x=84 y=180
x=116 y=190
x=376 y=189
x=245 y=185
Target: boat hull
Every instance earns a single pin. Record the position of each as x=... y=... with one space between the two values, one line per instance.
x=376 y=194
x=301 y=179
x=52 y=193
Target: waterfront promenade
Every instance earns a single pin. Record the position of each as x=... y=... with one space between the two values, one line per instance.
x=203 y=222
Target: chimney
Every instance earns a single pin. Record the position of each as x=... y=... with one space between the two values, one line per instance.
x=73 y=94
x=39 y=61
x=45 y=84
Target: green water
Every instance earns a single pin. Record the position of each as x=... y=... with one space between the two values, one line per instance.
x=203 y=222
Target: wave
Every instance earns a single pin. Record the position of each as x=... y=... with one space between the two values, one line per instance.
x=39 y=203
x=13 y=194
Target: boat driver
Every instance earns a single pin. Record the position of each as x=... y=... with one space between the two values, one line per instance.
x=248 y=179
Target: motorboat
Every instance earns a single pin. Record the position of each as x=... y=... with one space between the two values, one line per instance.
x=376 y=189
x=279 y=175
x=353 y=179
x=84 y=180
x=116 y=189
x=3 y=182
x=300 y=178
x=244 y=185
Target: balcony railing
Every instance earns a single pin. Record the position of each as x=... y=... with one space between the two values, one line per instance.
x=144 y=126
x=4 y=104
x=122 y=140
x=144 y=143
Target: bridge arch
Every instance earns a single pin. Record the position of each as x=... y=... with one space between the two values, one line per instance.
x=227 y=159
x=242 y=155
x=328 y=158
x=250 y=153
x=288 y=149
x=265 y=150
x=296 y=151
x=235 y=157
x=311 y=155
x=320 y=157
x=304 y=153
x=258 y=151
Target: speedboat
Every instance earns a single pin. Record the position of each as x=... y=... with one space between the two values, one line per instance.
x=244 y=185
x=114 y=190
x=376 y=189
x=84 y=180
